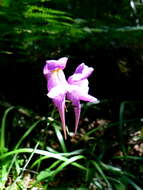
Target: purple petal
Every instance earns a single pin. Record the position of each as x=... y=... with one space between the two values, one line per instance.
x=77 y=93
x=77 y=111
x=60 y=104
x=56 y=78
x=57 y=91
x=83 y=85
x=46 y=70
x=56 y=64
x=82 y=72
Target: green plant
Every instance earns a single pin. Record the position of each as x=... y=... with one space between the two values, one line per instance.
x=14 y=164
x=94 y=154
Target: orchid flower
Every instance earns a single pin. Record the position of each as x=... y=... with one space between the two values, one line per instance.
x=76 y=88
x=57 y=85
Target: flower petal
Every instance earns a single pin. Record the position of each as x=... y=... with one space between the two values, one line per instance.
x=56 y=78
x=82 y=72
x=56 y=64
x=77 y=111
x=80 y=93
x=60 y=104
x=57 y=91
x=83 y=85
x=75 y=94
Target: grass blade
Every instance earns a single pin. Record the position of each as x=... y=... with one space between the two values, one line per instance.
x=101 y=173
x=48 y=173
x=41 y=152
x=60 y=138
x=3 y=127
x=27 y=133
x=134 y=185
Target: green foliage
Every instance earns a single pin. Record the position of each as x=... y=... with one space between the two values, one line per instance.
x=43 y=28
x=93 y=164
x=24 y=24
x=11 y=162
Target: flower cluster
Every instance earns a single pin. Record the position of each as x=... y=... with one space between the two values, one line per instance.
x=75 y=88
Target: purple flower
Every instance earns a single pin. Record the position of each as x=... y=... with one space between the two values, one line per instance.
x=76 y=88
x=57 y=85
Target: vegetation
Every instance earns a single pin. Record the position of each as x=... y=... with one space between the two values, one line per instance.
x=106 y=154
x=95 y=158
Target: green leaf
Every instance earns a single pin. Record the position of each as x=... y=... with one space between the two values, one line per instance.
x=3 y=129
x=31 y=128
x=60 y=138
x=99 y=169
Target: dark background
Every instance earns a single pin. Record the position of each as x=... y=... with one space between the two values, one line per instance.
x=100 y=34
